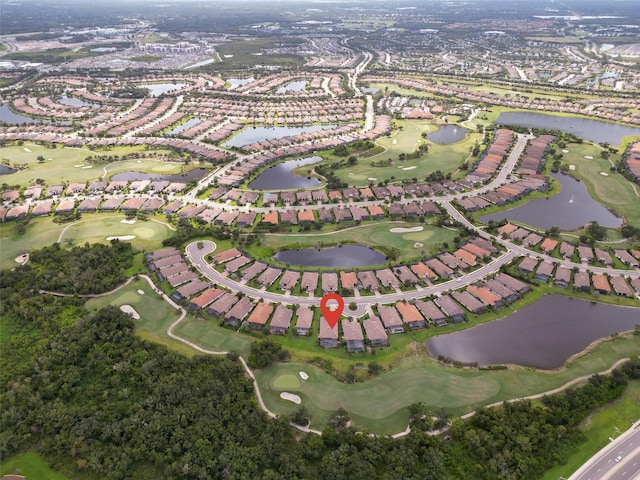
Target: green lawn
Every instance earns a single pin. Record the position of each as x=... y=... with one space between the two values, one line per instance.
x=601 y=425
x=31 y=466
x=64 y=164
x=374 y=235
x=380 y=404
x=405 y=139
x=93 y=228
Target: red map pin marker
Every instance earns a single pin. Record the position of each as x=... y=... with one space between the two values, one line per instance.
x=331 y=316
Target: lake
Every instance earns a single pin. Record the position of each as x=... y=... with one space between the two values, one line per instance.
x=280 y=176
x=570 y=209
x=76 y=102
x=238 y=82
x=260 y=134
x=191 y=176
x=543 y=334
x=343 y=257
x=11 y=118
x=299 y=86
x=192 y=122
x=447 y=134
x=4 y=170
x=157 y=89
x=592 y=130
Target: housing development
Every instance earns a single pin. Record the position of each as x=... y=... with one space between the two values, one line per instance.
x=439 y=166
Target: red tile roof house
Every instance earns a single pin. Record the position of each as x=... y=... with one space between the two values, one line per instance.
x=353 y=336
x=238 y=312
x=222 y=305
x=205 y=298
x=329 y=282
x=348 y=280
x=281 y=320
x=601 y=284
x=548 y=245
x=442 y=270
x=375 y=332
x=387 y=278
x=620 y=287
x=581 y=281
x=260 y=315
x=411 y=316
x=304 y=319
x=227 y=255
x=309 y=281
x=391 y=319
x=508 y=295
x=486 y=296
x=368 y=280
x=289 y=280
x=466 y=256
x=422 y=271
x=544 y=271
x=431 y=312
x=328 y=337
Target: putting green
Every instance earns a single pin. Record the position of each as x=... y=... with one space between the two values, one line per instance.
x=163 y=168
x=144 y=232
x=287 y=381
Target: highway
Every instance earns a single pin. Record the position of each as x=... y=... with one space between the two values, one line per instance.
x=603 y=465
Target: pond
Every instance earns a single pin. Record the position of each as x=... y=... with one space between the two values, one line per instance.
x=592 y=130
x=192 y=122
x=260 y=134
x=4 y=170
x=543 y=334
x=447 y=134
x=345 y=256
x=570 y=209
x=299 y=86
x=238 y=82
x=280 y=176
x=11 y=118
x=191 y=176
x=76 y=102
x=157 y=89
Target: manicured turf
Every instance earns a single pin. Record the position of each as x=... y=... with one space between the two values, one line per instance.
x=31 y=466
x=601 y=425
x=379 y=404
x=286 y=381
x=65 y=164
x=93 y=228
x=374 y=235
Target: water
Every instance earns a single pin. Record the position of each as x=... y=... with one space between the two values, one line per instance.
x=543 y=334
x=157 y=89
x=370 y=90
x=260 y=134
x=570 y=209
x=342 y=257
x=238 y=82
x=76 y=102
x=4 y=170
x=447 y=134
x=592 y=130
x=185 y=126
x=299 y=86
x=11 y=118
x=191 y=176
x=280 y=176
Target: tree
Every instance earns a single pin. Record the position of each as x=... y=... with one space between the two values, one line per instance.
x=596 y=231
x=301 y=416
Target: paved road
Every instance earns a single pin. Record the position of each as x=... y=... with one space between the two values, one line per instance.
x=603 y=465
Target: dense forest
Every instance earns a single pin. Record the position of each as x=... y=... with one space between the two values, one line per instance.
x=96 y=401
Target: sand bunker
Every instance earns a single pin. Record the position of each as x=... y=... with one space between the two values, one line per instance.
x=409 y=168
x=395 y=140
x=418 y=245
x=22 y=259
x=291 y=397
x=572 y=167
x=87 y=166
x=121 y=237
x=373 y=179
x=140 y=292
x=128 y=222
x=588 y=157
x=128 y=309
x=565 y=151
x=406 y=230
x=304 y=376
x=604 y=174
x=27 y=150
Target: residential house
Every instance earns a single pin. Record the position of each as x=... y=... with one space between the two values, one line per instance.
x=281 y=320
x=352 y=335
x=375 y=332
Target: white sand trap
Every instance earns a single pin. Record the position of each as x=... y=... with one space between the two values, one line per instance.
x=27 y=150
x=588 y=157
x=572 y=167
x=140 y=292
x=418 y=245
x=565 y=151
x=128 y=222
x=406 y=230
x=128 y=309
x=139 y=161
x=22 y=259
x=409 y=168
x=395 y=140
x=604 y=174
x=373 y=179
x=87 y=167
x=304 y=376
x=79 y=166
x=121 y=237
x=291 y=397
